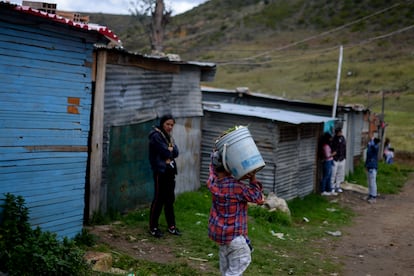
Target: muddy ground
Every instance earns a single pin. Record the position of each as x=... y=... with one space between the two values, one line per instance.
x=381 y=239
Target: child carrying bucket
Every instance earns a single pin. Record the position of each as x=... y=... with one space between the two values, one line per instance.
x=227 y=225
x=235 y=158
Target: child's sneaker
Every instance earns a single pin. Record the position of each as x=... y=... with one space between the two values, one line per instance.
x=155 y=232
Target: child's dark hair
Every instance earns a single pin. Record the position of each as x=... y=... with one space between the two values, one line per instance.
x=217 y=162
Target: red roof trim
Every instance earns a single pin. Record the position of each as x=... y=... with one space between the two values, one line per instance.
x=90 y=27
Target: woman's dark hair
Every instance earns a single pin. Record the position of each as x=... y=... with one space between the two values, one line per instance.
x=326 y=138
x=166 y=117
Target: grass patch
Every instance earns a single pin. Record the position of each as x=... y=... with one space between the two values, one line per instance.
x=287 y=254
x=284 y=245
x=390 y=177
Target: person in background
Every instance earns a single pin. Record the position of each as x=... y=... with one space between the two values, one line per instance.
x=371 y=165
x=338 y=146
x=227 y=225
x=327 y=163
x=162 y=154
x=388 y=154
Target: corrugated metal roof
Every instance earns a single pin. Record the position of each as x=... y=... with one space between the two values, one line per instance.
x=245 y=92
x=105 y=31
x=161 y=58
x=266 y=113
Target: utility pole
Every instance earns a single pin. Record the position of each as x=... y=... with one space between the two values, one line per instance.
x=383 y=107
x=382 y=126
x=338 y=78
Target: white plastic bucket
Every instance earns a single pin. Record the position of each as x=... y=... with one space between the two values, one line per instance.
x=240 y=153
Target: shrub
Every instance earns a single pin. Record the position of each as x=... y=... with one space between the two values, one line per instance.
x=27 y=251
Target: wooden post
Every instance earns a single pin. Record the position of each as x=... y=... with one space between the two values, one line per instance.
x=95 y=170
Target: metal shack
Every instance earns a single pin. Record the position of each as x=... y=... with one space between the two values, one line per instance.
x=287 y=141
x=354 y=119
x=132 y=92
x=45 y=107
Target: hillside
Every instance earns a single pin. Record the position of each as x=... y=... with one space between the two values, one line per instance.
x=290 y=48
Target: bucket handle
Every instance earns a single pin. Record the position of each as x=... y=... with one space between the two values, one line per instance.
x=224 y=158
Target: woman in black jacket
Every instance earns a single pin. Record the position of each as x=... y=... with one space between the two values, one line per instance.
x=162 y=154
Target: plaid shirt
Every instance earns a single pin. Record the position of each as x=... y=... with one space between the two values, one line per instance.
x=228 y=214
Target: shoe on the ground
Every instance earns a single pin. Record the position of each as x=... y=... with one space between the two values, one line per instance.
x=371 y=199
x=333 y=193
x=155 y=232
x=339 y=190
x=326 y=193
x=174 y=231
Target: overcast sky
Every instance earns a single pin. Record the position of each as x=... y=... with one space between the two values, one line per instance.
x=114 y=6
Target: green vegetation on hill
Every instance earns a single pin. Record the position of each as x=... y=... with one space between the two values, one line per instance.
x=290 y=48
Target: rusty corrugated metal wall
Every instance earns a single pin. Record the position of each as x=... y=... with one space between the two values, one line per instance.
x=187 y=134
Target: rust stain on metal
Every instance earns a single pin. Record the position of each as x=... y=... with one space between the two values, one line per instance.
x=188 y=124
x=123 y=188
x=73 y=103
x=73 y=100
x=87 y=64
x=73 y=109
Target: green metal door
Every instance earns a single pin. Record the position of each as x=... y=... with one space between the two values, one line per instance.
x=129 y=174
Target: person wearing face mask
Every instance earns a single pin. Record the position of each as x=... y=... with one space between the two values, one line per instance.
x=162 y=154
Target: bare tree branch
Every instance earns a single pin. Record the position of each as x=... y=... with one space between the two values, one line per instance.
x=154 y=17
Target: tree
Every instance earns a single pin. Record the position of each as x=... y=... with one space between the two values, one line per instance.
x=154 y=16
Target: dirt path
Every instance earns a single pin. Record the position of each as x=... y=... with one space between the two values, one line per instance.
x=381 y=239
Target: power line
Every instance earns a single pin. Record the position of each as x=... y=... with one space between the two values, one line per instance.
x=386 y=35
x=317 y=52
x=239 y=61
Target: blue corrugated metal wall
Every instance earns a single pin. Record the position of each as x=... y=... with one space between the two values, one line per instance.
x=45 y=103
